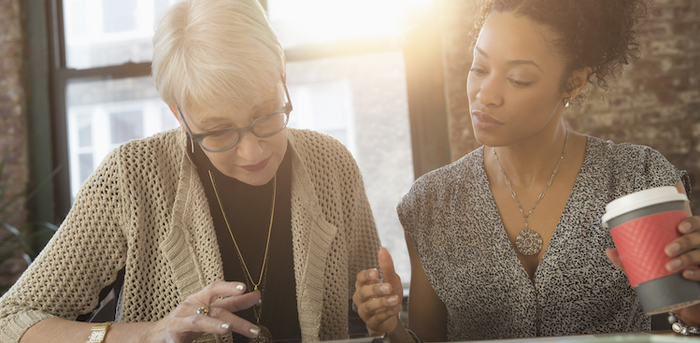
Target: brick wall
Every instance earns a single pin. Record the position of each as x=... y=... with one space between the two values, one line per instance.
x=12 y=121
x=657 y=102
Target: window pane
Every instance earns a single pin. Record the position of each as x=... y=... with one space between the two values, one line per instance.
x=100 y=33
x=361 y=100
x=105 y=113
x=85 y=161
x=118 y=15
x=125 y=126
x=85 y=131
x=298 y=22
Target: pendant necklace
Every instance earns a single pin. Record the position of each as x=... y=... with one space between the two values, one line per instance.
x=265 y=335
x=529 y=242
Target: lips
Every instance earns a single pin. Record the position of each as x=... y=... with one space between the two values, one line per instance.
x=484 y=121
x=258 y=166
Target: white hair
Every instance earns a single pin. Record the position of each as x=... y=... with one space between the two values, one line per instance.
x=215 y=53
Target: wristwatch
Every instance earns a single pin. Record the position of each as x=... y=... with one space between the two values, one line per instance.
x=98 y=332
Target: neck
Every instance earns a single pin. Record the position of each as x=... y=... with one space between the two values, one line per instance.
x=532 y=161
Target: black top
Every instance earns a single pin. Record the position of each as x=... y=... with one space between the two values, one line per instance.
x=248 y=210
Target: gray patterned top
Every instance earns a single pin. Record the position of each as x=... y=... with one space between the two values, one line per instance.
x=451 y=218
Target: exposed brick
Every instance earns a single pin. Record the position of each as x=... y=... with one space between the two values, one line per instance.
x=12 y=123
x=657 y=102
x=688 y=28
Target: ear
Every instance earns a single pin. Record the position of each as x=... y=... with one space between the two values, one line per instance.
x=578 y=81
x=173 y=109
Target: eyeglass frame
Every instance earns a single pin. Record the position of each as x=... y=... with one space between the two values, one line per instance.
x=199 y=137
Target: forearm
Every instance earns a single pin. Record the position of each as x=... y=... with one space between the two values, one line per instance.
x=61 y=330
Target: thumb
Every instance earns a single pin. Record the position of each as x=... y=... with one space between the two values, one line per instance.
x=387 y=266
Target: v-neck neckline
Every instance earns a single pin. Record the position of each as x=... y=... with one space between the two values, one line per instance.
x=500 y=231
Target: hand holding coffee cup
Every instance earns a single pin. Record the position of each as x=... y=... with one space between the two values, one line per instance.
x=646 y=226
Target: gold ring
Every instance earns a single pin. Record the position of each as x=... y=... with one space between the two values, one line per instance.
x=203 y=310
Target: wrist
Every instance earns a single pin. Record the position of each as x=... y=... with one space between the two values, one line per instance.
x=679 y=326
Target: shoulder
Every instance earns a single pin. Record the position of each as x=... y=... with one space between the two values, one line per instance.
x=315 y=147
x=161 y=142
x=624 y=156
x=159 y=153
x=440 y=187
x=449 y=176
x=638 y=166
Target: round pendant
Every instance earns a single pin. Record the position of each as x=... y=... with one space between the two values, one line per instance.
x=263 y=337
x=528 y=242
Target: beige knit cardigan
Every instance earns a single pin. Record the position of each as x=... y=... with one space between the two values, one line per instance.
x=145 y=209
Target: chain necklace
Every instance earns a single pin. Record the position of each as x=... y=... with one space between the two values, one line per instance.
x=529 y=242
x=265 y=335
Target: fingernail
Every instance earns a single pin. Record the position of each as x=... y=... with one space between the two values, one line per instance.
x=259 y=301
x=240 y=287
x=685 y=227
x=673 y=249
x=673 y=265
x=225 y=326
x=254 y=330
x=385 y=289
x=690 y=273
x=393 y=300
x=373 y=274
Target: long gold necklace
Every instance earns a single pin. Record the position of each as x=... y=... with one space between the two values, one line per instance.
x=529 y=242
x=265 y=335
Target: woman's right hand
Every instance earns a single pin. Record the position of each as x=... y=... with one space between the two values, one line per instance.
x=379 y=303
x=184 y=324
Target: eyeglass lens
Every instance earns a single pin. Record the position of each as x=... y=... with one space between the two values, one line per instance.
x=265 y=127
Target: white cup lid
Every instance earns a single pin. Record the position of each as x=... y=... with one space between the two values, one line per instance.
x=641 y=199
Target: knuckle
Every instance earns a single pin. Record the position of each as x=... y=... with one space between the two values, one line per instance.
x=217 y=312
x=191 y=297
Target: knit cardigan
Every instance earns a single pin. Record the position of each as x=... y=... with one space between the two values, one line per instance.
x=145 y=209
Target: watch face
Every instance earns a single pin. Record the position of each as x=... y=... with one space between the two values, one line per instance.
x=97 y=336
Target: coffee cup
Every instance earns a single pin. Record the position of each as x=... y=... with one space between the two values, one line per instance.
x=642 y=224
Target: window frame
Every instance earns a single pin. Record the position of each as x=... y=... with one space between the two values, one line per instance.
x=421 y=48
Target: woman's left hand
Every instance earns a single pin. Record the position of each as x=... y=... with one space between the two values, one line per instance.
x=685 y=251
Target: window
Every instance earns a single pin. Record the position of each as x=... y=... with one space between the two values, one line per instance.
x=349 y=80
x=356 y=80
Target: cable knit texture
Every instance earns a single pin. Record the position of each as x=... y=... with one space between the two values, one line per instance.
x=145 y=209
x=452 y=219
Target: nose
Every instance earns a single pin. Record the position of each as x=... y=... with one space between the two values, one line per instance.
x=249 y=147
x=489 y=91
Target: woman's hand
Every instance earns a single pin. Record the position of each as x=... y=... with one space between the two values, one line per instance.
x=379 y=303
x=221 y=298
x=686 y=253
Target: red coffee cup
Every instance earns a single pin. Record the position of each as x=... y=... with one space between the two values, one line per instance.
x=642 y=224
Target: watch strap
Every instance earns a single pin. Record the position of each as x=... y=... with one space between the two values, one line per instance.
x=98 y=333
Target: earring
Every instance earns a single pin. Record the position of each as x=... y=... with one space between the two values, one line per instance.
x=567 y=100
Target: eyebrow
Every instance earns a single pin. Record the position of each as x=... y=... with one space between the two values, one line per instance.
x=215 y=121
x=513 y=62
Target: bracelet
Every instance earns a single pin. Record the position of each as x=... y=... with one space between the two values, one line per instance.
x=679 y=327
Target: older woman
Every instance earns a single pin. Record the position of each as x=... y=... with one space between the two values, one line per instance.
x=234 y=211
x=533 y=181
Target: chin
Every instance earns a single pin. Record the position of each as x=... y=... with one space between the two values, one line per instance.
x=254 y=179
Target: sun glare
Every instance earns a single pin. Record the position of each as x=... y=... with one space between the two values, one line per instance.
x=299 y=22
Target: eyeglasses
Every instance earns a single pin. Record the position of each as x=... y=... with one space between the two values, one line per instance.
x=224 y=139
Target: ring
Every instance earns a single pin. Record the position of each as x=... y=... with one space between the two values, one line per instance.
x=203 y=310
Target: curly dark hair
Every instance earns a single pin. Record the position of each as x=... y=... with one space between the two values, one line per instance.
x=589 y=33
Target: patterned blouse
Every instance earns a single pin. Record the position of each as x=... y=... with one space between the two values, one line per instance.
x=451 y=218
